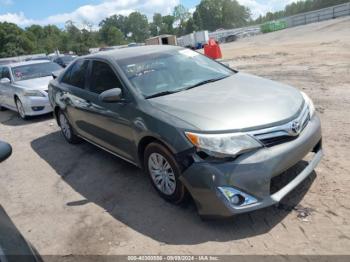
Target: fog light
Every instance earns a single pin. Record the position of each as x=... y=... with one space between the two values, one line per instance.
x=37 y=108
x=236 y=197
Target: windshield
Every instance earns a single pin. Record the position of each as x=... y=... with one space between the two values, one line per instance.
x=172 y=71
x=34 y=70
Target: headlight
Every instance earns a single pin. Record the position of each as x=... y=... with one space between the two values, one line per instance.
x=33 y=93
x=309 y=103
x=223 y=145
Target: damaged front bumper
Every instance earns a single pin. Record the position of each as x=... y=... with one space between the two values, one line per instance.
x=223 y=189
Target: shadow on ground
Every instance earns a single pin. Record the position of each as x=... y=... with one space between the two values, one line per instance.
x=125 y=192
x=11 y=118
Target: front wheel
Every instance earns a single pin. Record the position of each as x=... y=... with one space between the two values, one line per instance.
x=20 y=109
x=67 y=129
x=164 y=172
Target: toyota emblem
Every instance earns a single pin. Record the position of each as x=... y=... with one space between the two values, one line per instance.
x=295 y=128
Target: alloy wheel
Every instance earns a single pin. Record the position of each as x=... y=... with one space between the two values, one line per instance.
x=20 y=109
x=161 y=173
x=65 y=127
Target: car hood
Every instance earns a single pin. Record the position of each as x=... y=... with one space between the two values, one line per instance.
x=238 y=102
x=40 y=83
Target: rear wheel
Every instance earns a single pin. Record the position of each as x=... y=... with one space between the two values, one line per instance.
x=164 y=172
x=67 y=129
x=20 y=109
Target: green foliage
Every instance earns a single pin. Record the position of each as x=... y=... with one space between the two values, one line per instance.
x=118 y=29
x=138 y=28
x=13 y=40
x=215 y=14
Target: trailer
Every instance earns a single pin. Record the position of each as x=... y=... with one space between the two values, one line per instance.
x=162 y=40
x=194 y=40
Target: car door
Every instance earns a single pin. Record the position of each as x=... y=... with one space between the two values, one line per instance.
x=73 y=93
x=1 y=89
x=7 y=90
x=108 y=124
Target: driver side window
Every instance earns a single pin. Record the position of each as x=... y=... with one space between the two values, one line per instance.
x=103 y=78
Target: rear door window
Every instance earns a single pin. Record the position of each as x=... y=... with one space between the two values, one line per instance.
x=76 y=74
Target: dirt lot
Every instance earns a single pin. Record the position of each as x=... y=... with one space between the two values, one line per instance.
x=80 y=200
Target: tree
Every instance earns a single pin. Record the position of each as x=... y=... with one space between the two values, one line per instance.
x=137 y=27
x=167 y=25
x=118 y=21
x=113 y=36
x=181 y=13
x=215 y=14
x=14 y=41
x=156 y=25
x=190 y=26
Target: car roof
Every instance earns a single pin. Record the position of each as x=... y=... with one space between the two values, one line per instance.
x=30 y=62
x=136 y=51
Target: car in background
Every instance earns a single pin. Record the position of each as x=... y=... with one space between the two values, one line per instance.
x=194 y=125
x=35 y=58
x=64 y=60
x=23 y=87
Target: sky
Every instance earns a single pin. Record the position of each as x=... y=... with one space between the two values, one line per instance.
x=43 y=12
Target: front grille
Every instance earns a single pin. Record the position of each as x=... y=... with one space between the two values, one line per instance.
x=281 y=134
x=273 y=141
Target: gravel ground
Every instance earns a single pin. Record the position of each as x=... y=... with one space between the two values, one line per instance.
x=69 y=199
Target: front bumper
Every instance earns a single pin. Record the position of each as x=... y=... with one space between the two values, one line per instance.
x=251 y=173
x=36 y=105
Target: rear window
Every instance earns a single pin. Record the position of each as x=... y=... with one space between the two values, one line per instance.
x=31 y=71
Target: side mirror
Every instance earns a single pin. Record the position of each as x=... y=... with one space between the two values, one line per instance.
x=5 y=80
x=5 y=151
x=55 y=74
x=111 y=95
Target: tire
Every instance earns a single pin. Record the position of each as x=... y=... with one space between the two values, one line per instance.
x=20 y=109
x=165 y=179
x=67 y=130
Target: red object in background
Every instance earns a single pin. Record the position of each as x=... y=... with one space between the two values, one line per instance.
x=212 y=49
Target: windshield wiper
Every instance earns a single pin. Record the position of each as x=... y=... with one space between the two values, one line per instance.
x=164 y=93
x=205 y=82
x=186 y=88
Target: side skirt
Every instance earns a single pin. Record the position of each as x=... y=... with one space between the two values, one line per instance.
x=109 y=151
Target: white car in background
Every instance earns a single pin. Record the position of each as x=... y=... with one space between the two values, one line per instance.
x=23 y=87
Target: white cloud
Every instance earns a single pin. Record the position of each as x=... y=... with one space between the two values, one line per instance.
x=95 y=13
x=16 y=18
